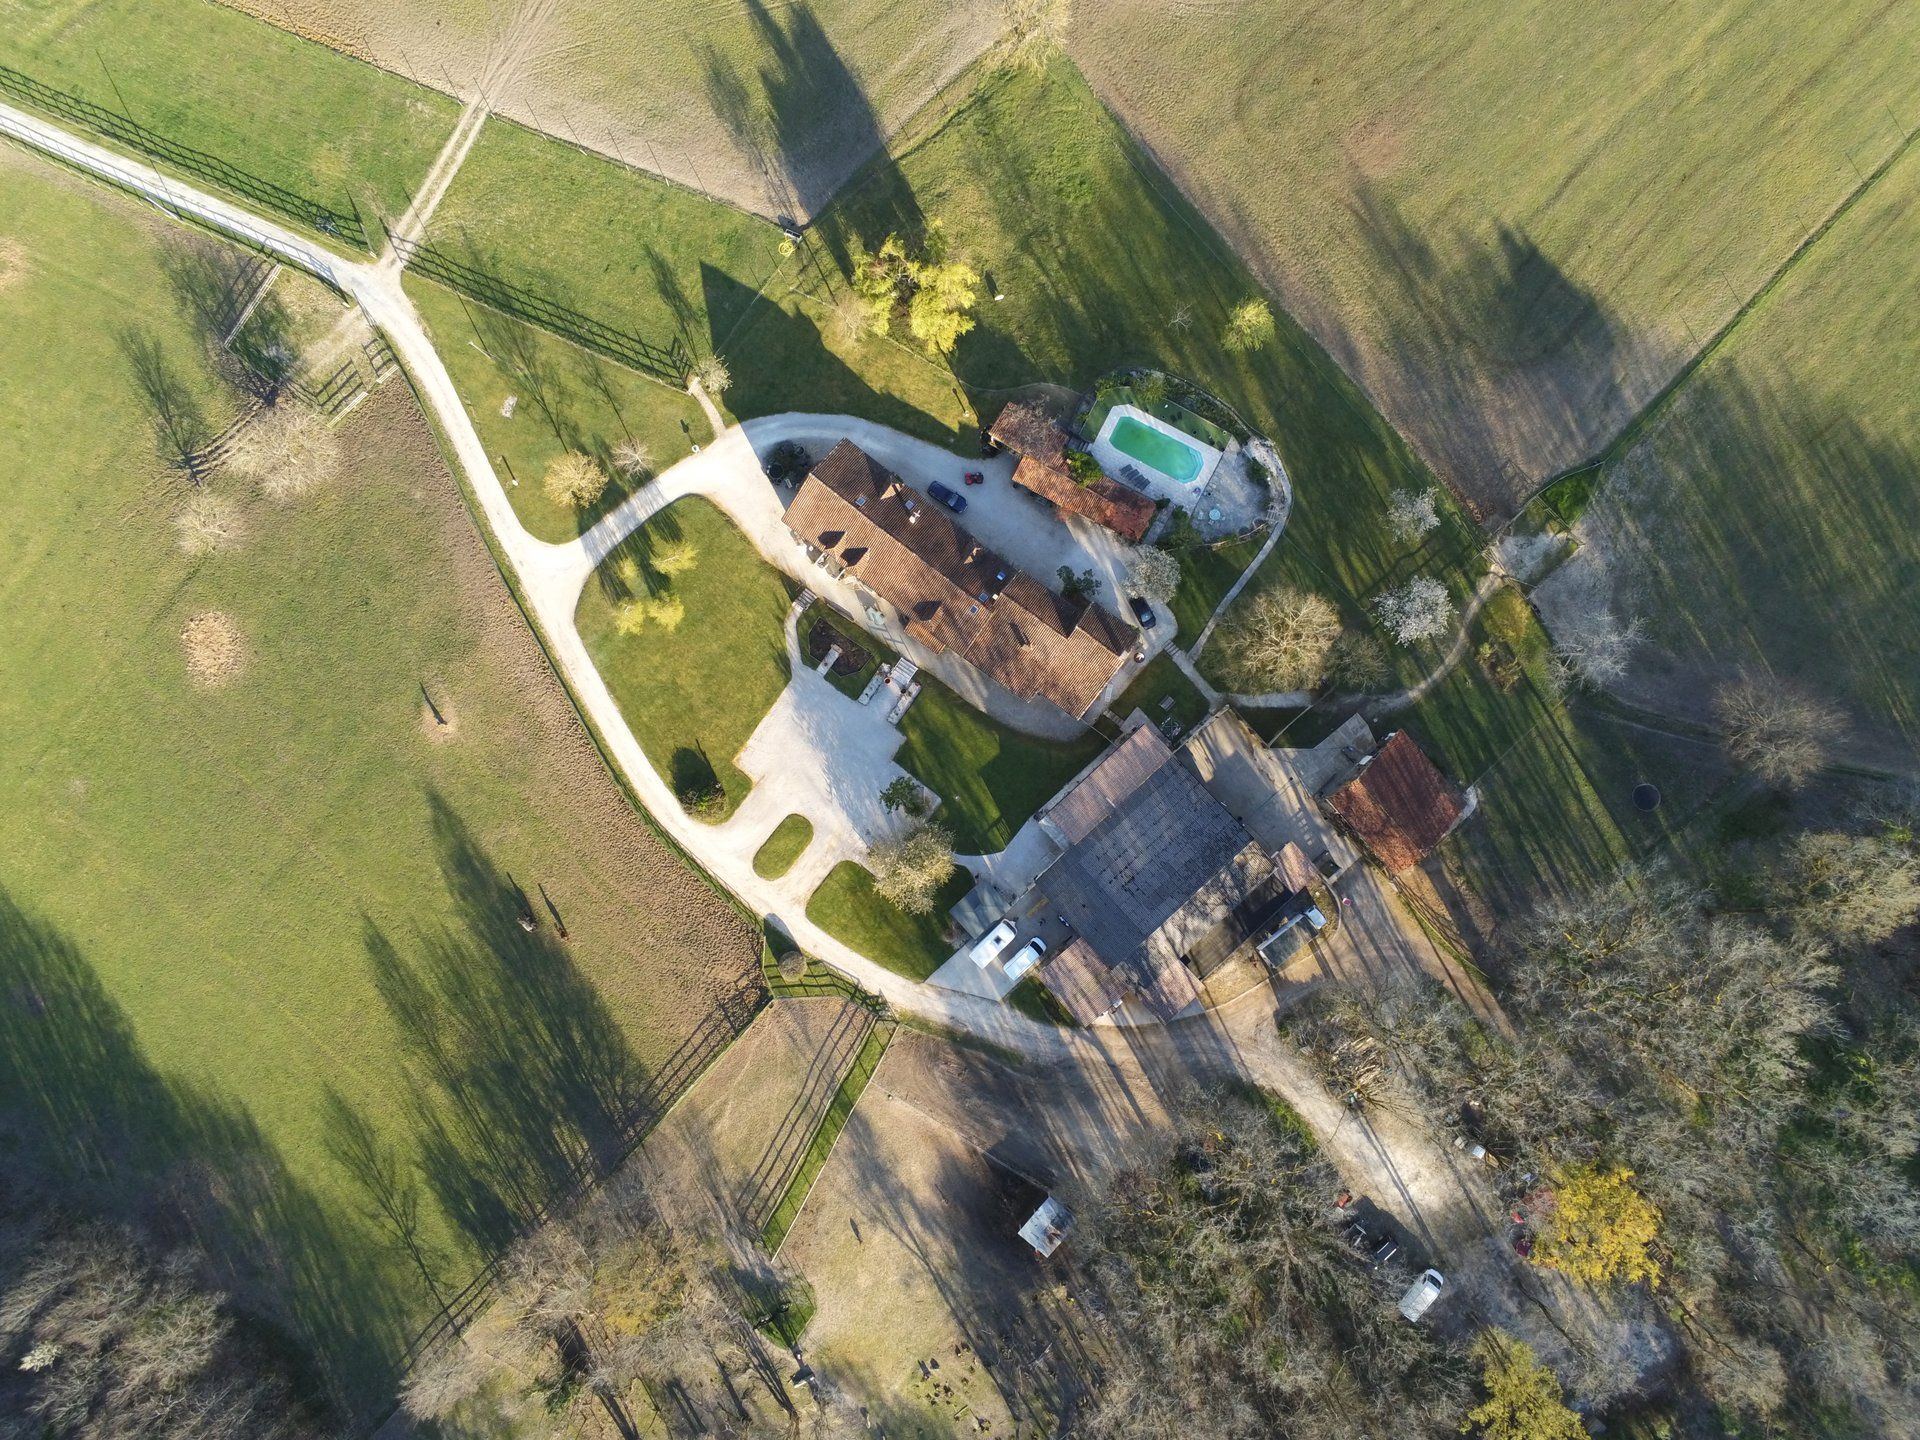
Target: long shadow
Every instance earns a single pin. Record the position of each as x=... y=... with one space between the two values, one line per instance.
x=92 y=1118
x=180 y=425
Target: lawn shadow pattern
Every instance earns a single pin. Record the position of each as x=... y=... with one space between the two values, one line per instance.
x=89 y=1113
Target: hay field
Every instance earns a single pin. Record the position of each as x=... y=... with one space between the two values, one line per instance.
x=254 y=935
x=1510 y=222
x=767 y=105
x=1770 y=518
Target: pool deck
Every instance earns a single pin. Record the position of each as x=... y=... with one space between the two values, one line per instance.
x=1117 y=462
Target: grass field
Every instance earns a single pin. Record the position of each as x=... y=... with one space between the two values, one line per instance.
x=1206 y=574
x=568 y=399
x=991 y=779
x=1163 y=691
x=1511 y=222
x=206 y=76
x=839 y=1110
x=260 y=927
x=1767 y=520
x=785 y=845
x=848 y=908
x=692 y=693
x=766 y=105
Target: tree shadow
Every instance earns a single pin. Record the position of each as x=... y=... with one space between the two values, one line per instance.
x=93 y=1118
x=524 y=1087
x=180 y=425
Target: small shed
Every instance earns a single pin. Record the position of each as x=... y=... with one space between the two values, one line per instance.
x=1399 y=805
x=1047 y=1227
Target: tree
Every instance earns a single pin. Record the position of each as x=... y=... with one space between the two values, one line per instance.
x=903 y=793
x=1083 y=586
x=1592 y=647
x=663 y=608
x=1250 y=327
x=1523 y=1399
x=1419 y=610
x=712 y=375
x=936 y=294
x=1412 y=513
x=1149 y=389
x=1280 y=640
x=1862 y=888
x=943 y=295
x=574 y=480
x=1357 y=661
x=1084 y=469
x=793 y=967
x=910 y=870
x=633 y=459
x=1774 y=730
x=1153 y=573
x=673 y=555
x=285 y=449
x=1599 y=1228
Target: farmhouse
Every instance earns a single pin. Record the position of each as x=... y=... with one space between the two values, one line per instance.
x=1399 y=806
x=860 y=521
x=1041 y=443
x=1156 y=885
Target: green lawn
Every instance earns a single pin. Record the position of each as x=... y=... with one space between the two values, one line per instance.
x=1207 y=573
x=257 y=935
x=991 y=778
x=839 y=1110
x=692 y=694
x=785 y=845
x=568 y=399
x=1768 y=518
x=848 y=908
x=283 y=109
x=1161 y=681
x=1514 y=220
x=643 y=255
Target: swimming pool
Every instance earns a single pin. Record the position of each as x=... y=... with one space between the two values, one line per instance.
x=1146 y=452
x=1172 y=457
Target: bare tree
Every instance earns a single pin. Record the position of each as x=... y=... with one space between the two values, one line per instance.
x=1412 y=513
x=1419 y=610
x=286 y=449
x=713 y=375
x=1280 y=640
x=1153 y=573
x=1593 y=647
x=633 y=459
x=1778 y=732
x=208 y=522
x=910 y=870
x=574 y=480
x=1356 y=661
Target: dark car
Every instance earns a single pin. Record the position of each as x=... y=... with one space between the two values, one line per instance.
x=1143 y=612
x=947 y=496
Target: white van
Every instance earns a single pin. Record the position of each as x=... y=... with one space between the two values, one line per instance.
x=1028 y=957
x=991 y=944
x=1421 y=1294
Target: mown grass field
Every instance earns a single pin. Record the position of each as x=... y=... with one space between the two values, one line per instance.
x=206 y=76
x=566 y=398
x=693 y=692
x=254 y=935
x=1767 y=520
x=1512 y=222
x=785 y=845
x=767 y=106
x=848 y=908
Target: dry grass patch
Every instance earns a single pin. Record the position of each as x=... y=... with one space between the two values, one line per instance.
x=215 y=650
x=209 y=522
x=13 y=264
x=287 y=450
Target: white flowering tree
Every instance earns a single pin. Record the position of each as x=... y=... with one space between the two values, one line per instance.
x=1419 y=610
x=1153 y=573
x=1412 y=513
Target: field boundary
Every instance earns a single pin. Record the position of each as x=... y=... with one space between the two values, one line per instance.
x=315 y=215
x=813 y=1161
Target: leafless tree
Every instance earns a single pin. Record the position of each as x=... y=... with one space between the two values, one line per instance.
x=910 y=870
x=1776 y=730
x=574 y=480
x=286 y=449
x=1594 y=647
x=1356 y=661
x=1280 y=640
x=633 y=459
x=1419 y=610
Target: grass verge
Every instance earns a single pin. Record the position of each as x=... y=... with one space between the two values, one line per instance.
x=785 y=845
x=774 y=1233
x=848 y=908
x=1164 y=693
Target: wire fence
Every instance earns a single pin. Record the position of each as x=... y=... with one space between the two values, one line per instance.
x=315 y=215
x=671 y=363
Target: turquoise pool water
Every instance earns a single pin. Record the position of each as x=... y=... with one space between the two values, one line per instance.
x=1173 y=458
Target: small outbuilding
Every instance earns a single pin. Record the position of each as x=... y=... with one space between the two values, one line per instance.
x=1047 y=1227
x=1041 y=442
x=1399 y=805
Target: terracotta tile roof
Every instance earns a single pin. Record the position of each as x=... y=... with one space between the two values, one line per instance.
x=1028 y=430
x=1400 y=806
x=1105 y=502
x=1123 y=770
x=953 y=592
x=1295 y=870
x=1083 y=982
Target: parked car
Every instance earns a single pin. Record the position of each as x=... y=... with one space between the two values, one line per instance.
x=1143 y=612
x=1421 y=1294
x=947 y=496
x=991 y=944
x=1028 y=957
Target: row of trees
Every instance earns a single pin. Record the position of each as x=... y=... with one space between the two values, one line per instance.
x=1718 y=1098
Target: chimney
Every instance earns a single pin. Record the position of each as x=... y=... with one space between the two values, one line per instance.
x=1021 y=636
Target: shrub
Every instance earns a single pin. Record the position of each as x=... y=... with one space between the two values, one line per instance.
x=793 y=967
x=1249 y=327
x=1084 y=469
x=574 y=480
x=1150 y=390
